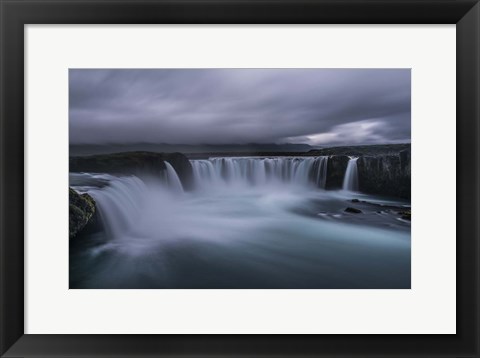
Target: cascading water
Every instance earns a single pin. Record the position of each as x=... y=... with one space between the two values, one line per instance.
x=320 y=167
x=120 y=204
x=173 y=180
x=350 y=182
x=249 y=223
x=302 y=171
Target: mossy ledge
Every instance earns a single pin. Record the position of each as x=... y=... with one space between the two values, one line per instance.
x=135 y=163
x=81 y=211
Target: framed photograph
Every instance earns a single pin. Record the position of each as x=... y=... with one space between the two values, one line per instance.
x=281 y=178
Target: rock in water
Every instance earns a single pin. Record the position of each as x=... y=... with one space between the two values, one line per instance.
x=406 y=215
x=81 y=211
x=353 y=210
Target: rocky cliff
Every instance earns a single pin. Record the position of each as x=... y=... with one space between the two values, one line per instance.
x=382 y=169
x=137 y=163
x=386 y=174
x=336 y=167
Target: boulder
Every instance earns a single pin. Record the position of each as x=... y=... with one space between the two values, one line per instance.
x=81 y=211
x=353 y=210
x=406 y=215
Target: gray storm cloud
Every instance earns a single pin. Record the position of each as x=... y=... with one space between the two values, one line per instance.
x=237 y=106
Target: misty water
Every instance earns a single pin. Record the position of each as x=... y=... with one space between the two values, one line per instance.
x=248 y=223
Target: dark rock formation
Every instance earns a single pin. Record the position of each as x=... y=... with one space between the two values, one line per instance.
x=81 y=211
x=137 y=163
x=357 y=151
x=336 y=167
x=406 y=215
x=382 y=169
x=385 y=174
x=362 y=150
x=353 y=210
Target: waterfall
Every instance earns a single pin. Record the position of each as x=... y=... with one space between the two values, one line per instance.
x=173 y=180
x=123 y=202
x=350 y=182
x=321 y=171
x=254 y=171
x=119 y=204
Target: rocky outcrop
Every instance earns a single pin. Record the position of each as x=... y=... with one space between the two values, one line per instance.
x=406 y=214
x=382 y=169
x=81 y=211
x=386 y=174
x=336 y=167
x=137 y=163
x=353 y=210
x=363 y=150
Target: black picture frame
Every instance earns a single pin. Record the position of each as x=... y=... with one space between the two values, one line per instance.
x=15 y=14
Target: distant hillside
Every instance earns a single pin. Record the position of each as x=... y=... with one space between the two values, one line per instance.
x=82 y=150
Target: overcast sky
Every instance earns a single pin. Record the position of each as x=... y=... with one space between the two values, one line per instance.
x=235 y=106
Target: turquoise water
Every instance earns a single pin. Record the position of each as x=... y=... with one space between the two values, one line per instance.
x=238 y=236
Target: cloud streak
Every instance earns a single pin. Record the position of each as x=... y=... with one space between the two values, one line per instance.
x=237 y=106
